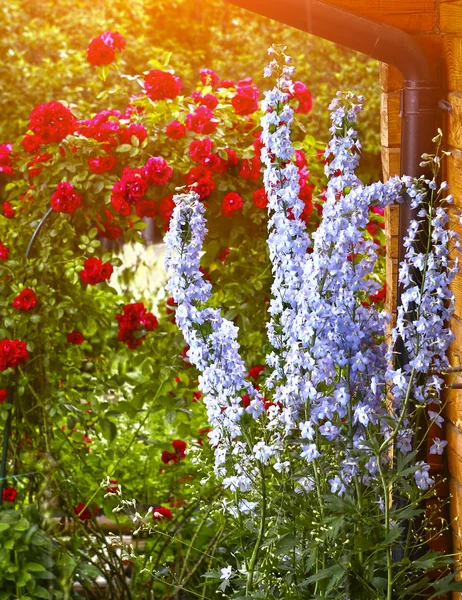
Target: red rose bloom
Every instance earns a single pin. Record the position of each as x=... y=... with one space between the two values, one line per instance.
x=8 y=210
x=179 y=446
x=303 y=95
x=161 y=85
x=233 y=160
x=209 y=77
x=146 y=208
x=95 y=271
x=99 y=53
x=161 y=513
x=83 y=512
x=245 y=102
x=25 y=300
x=250 y=169
x=12 y=354
x=6 y=162
x=157 y=171
x=175 y=130
x=199 y=150
x=76 y=338
x=9 y=494
x=51 y=122
x=102 y=164
x=134 y=322
x=3 y=395
x=231 y=203
x=113 y=39
x=134 y=129
x=259 y=198
x=255 y=371
x=65 y=199
x=209 y=100
x=4 y=251
x=201 y=120
x=166 y=206
x=379 y=295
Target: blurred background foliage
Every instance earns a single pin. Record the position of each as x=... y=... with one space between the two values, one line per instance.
x=43 y=57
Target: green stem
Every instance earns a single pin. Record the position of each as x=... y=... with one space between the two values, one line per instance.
x=261 y=533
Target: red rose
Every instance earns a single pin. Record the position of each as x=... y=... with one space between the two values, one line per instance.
x=51 y=122
x=4 y=251
x=102 y=164
x=250 y=169
x=146 y=208
x=259 y=198
x=12 y=353
x=209 y=100
x=255 y=371
x=8 y=210
x=65 y=199
x=300 y=159
x=6 y=162
x=120 y=205
x=245 y=102
x=223 y=254
x=9 y=494
x=76 y=338
x=209 y=77
x=379 y=295
x=99 y=53
x=231 y=202
x=233 y=160
x=168 y=457
x=166 y=206
x=199 y=150
x=134 y=321
x=157 y=171
x=179 y=446
x=161 y=85
x=246 y=400
x=31 y=143
x=83 y=512
x=25 y=300
x=134 y=129
x=303 y=95
x=161 y=513
x=95 y=271
x=113 y=39
x=175 y=130
x=3 y=395
x=201 y=120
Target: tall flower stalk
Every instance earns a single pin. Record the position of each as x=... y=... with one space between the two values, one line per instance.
x=308 y=461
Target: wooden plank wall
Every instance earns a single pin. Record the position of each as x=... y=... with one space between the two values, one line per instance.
x=437 y=26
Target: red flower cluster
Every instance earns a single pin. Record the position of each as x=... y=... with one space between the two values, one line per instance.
x=166 y=206
x=65 y=199
x=102 y=164
x=231 y=203
x=209 y=77
x=303 y=95
x=4 y=251
x=134 y=129
x=174 y=457
x=103 y=127
x=8 y=210
x=6 y=162
x=134 y=322
x=201 y=180
x=162 y=85
x=12 y=353
x=83 y=512
x=202 y=120
x=101 y=50
x=76 y=338
x=105 y=229
x=208 y=100
x=260 y=198
x=245 y=102
x=9 y=494
x=3 y=395
x=255 y=371
x=51 y=122
x=175 y=130
x=380 y=295
x=161 y=513
x=157 y=171
x=25 y=300
x=95 y=271
x=250 y=168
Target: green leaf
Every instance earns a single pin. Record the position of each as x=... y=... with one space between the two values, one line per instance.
x=4 y=527
x=108 y=428
x=35 y=567
x=124 y=148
